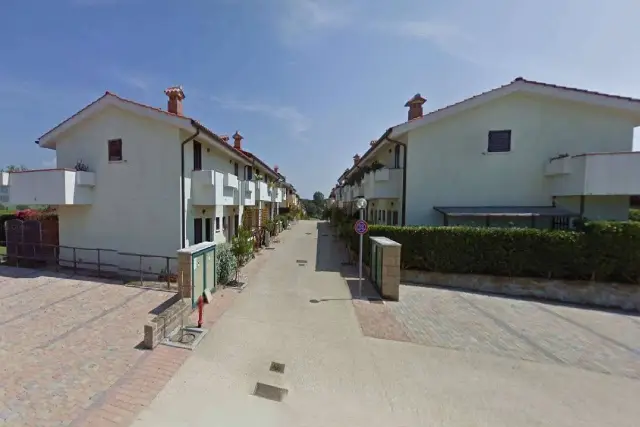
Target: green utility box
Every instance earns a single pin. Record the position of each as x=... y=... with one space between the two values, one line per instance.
x=197 y=270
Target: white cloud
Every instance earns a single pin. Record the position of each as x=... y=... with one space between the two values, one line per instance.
x=299 y=19
x=135 y=79
x=565 y=41
x=50 y=163
x=291 y=117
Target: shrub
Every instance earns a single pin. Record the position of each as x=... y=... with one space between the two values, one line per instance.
x=634 y=214
x=242 y=246
x=603 y=251
x=226 y=263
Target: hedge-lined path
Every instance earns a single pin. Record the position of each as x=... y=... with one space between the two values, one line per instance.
x=301 y=314
x=541 y=332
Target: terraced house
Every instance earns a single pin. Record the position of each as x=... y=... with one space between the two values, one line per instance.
x=527 y=154
x=139 y=179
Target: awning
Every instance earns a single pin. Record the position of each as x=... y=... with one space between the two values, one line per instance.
x=505 y=211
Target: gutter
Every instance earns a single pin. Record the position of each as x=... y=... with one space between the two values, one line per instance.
x=404 y=173
x=182 y=178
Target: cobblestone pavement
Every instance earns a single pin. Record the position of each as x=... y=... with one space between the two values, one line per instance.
x=593 y=340
x=64 y=341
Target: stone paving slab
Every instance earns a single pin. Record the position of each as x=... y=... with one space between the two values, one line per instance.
x=588 y=339
x=64 y=341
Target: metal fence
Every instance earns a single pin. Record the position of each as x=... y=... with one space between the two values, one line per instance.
x=156 y=271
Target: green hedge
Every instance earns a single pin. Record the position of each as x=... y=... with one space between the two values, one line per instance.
x=634 y=214
x=604 y=251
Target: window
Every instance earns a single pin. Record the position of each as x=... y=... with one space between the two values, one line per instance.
x=217 y=224
x=224 y=222
x=197 y=230
x=396 y=157
x=384 y=216
x=115 y=150
x=395 y=218
x=207 y=230
x=197 y=156
x=499 y=141
x=236 y=169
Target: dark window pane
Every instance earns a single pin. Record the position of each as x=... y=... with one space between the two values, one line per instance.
x=208 y=232
x=499 y=141
x=115 y=150
x=197 y=156
x=197 y=230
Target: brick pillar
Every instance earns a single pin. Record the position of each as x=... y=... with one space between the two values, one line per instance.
x=184 y=274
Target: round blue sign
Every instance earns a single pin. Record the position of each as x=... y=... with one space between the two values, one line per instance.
x=361 y=226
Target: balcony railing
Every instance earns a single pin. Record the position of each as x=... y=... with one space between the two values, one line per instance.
x=211 y=188
x=595 y=174
x=383 y=184
x=50 y=187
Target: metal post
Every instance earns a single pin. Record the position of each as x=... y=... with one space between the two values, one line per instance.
x=360 y=263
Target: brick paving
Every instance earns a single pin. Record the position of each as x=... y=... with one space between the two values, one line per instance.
x=588 y=339
x=69 y=348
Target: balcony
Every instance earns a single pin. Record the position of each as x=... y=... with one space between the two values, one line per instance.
x=264 y=193
x=50 y=187
x=211 y=188
x=277 y=195
x=246 y=194
x=595 y=174
x=383 y=184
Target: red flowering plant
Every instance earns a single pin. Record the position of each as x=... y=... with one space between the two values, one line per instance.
x=36 y=214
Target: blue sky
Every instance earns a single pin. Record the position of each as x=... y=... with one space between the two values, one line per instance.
x=307 y=82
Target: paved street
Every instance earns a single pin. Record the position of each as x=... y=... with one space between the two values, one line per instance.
x=447 y=359
x=64 y=342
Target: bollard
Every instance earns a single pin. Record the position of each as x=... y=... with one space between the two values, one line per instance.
x=200 y=308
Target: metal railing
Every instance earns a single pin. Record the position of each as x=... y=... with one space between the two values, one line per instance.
x=100 y=263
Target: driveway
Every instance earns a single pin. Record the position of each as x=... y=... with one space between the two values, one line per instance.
x=64 y=341
x=597 y=341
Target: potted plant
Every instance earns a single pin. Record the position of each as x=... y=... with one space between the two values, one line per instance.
x=376 y=165
x=81 y=167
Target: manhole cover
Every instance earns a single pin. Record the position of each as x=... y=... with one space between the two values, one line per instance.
x=270 y=392
x=277 y=367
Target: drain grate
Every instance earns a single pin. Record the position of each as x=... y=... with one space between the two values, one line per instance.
x=301 y=262
x=277 y=367
x=270 y=392
x=375 y=301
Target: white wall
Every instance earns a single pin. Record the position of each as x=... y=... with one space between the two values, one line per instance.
x=448 y=164
x=135 y=207
x=213 y=158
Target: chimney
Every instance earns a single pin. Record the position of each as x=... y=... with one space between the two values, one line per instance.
x=176 y=95
x=373 y=142
x=275 y=168
x=415 y=106
x=224 y=138
x=356 y=159
x=237 y=141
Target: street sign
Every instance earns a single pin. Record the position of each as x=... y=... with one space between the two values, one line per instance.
x=361 y=227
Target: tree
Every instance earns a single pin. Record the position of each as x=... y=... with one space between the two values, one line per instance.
x=318 y=199
x=14 y=168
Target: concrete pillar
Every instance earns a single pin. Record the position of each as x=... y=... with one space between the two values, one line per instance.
x=389 y=282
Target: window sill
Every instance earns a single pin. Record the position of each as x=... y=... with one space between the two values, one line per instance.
x=117 y=161
x=487 y=153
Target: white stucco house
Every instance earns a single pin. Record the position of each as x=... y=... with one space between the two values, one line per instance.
x=526 y=153
x=139 y=179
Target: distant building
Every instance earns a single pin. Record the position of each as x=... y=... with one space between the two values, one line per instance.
x=4 y=194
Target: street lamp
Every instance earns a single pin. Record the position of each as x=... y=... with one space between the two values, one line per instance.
x=361 y=205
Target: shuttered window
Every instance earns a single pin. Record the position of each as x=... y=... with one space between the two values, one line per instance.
x=499 y=141
x=115 y=150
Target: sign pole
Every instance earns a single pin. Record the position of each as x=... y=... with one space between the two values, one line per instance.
x=360 y=263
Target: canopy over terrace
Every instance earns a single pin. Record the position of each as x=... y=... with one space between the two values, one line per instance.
x=561 y=216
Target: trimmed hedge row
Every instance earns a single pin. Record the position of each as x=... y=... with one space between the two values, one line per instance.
x=634 y=214
x=602 y=251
